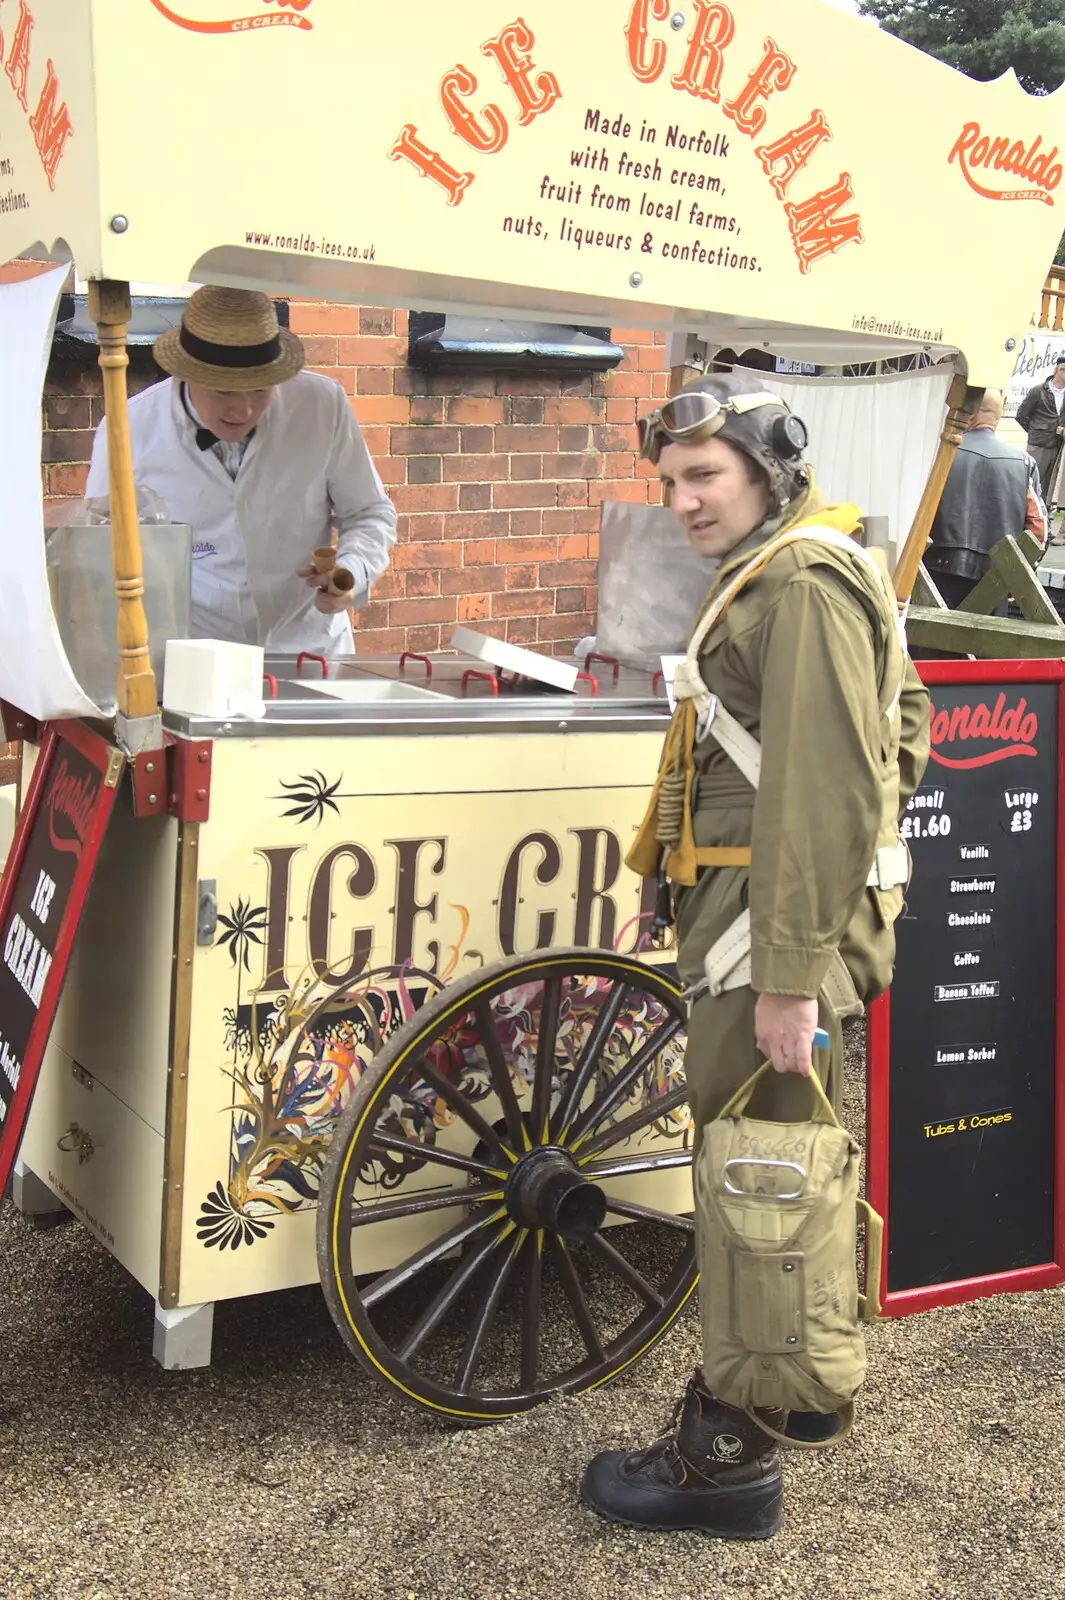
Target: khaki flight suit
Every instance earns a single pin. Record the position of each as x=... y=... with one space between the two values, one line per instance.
x=807 y=658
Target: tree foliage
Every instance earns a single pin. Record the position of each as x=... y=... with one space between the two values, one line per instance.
x=983 y=37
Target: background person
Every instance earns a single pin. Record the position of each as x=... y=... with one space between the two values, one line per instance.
x=808 y=658
x=263 y=461
x=1040 y=415
x=991 y=491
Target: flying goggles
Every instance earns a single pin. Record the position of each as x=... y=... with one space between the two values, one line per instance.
x=699 y=412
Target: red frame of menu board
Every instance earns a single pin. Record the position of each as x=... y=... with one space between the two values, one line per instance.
x=1047 y=1274
x=72 y=824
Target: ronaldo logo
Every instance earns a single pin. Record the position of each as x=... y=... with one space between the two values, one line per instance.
x=282 y=13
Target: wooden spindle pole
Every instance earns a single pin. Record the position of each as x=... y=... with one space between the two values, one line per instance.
x=679 y=376
x=109 y=307
x=962 y=403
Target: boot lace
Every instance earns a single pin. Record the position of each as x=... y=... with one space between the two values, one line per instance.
x=663 y=1457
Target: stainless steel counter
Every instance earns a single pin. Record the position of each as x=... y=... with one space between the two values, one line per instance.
x=375 y=696
x=1051 y=569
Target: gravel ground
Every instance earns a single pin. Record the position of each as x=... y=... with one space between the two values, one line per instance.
x=284 y=1471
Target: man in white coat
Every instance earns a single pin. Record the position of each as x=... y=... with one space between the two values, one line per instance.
x=263 y=461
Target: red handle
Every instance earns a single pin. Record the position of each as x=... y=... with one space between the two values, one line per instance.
x=608 y=661
x=659 y=678
x=589 y=680
x=305 y=655
x=412 y=655
x=487 y=677
x=268 y=678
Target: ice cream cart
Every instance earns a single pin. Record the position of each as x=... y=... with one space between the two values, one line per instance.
x=355 y=988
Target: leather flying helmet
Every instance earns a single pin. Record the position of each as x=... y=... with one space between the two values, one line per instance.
x=746 y=413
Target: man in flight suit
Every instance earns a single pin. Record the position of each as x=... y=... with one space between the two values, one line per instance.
x=808 y=658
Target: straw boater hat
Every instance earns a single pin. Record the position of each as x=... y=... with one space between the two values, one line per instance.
x=230 y=339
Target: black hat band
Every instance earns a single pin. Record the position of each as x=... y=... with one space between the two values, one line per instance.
x=229 y=355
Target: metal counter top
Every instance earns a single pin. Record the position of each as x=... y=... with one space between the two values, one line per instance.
x=377 y=696
x=1051 y=569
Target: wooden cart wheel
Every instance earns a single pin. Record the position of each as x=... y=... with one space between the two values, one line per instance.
x=511 y=1167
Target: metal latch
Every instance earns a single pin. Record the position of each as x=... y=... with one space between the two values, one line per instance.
x=766 y=1164
x=705 y=718
x=207 y=911
x=77 y=1141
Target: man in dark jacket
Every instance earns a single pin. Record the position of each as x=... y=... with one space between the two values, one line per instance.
x=1040 y=415
x=989 y=493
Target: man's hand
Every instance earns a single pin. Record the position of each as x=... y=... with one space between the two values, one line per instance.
x=784 y=1027
x=323 y=601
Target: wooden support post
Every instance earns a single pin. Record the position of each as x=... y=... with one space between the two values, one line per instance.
x=989 y=638
x=687 y=356
x=1011 y=573
x=970 y=631
x=926 y=594
x=962 y=402
x=109 y=307
x=679 y=376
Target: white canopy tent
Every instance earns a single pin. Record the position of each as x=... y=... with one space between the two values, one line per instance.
x=872 y=440
x=757 y=175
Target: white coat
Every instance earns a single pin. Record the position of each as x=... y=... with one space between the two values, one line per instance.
x=305 y=471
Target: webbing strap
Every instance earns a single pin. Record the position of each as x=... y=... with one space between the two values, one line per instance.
x=688 y=684
x=687 y=680
x=727 y=965
x=846 y=1415
x=741 y=747
x=722 y=855
x=869 y=1307
x=728 y=961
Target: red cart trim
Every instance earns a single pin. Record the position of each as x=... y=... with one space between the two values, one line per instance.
x=101 y=755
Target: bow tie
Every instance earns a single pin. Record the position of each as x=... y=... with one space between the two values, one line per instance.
x=205 y=438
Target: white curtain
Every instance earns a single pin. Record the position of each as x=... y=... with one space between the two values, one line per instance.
x=872 y=440
x=34 y=672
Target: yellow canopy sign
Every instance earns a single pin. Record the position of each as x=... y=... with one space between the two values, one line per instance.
x=725 y=168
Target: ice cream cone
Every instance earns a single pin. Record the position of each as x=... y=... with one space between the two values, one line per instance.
x=341 y=581
x=325 y=558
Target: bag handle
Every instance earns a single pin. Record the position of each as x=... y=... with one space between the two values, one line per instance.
x=869 y=1307
x=823 y=1111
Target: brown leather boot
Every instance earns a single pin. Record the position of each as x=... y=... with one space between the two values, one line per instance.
x=715 y=1472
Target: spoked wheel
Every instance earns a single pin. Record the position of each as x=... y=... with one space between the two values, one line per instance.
x=504 y=1213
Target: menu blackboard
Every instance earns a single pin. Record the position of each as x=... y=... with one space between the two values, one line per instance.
x=46 y=880
x=965 y=1049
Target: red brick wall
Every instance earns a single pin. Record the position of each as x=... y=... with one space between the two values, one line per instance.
x=497 y=478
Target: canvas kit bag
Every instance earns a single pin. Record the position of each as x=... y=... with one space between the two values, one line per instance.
x=779 y=1210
